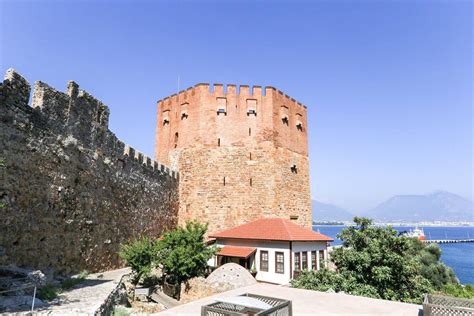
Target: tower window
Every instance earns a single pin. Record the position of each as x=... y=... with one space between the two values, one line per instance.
x=250 y=132
x=250 y=181
x=251 y=107
x=218 y=142
x=294 y=169
x=221 y=106
x=250 y=156
x=223 y=182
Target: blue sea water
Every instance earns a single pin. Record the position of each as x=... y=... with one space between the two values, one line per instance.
x=460 y=256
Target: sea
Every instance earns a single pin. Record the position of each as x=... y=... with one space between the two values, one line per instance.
x=458 y=256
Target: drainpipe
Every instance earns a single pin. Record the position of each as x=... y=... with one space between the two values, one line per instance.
x=291 y=260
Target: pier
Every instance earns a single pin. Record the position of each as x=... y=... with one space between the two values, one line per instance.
x=447 y=241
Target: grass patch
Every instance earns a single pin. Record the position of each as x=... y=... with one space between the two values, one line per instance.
x=458 y=290
x=48 y=293
x=120 y=311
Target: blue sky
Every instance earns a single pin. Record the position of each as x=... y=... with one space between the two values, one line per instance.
x=388 y=84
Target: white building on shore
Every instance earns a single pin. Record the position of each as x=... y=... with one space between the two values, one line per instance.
x=276 y=249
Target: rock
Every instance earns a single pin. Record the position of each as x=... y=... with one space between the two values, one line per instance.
x=19 y=303
x=37 y=277
x=233 y=274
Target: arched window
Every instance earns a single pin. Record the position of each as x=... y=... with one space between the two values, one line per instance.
x=176 y=137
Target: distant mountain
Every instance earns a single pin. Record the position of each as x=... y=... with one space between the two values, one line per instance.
x=437 y=206
x=329 y=212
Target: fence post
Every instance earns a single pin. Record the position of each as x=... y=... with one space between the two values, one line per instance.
x=33 y=302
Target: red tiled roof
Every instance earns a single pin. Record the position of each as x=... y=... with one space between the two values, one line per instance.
x=272 y=229
x=235 y=251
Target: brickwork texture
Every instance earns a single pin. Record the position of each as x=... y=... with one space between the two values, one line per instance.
x=241 y=153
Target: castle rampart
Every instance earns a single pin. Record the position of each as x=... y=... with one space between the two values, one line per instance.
x=71 y=191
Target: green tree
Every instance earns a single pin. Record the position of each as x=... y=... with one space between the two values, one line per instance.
x=375 y=262
x=140 y=255
x=432 y=268
x=183 y=253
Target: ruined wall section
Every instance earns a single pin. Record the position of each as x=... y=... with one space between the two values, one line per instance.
x=72 y=192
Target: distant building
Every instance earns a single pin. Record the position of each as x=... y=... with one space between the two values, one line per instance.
x=277 y=249
x=241 y=153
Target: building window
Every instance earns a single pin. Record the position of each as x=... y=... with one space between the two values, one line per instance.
x=176 y=137
x=297 y=262
x=250 y=132
x=250 y=156
x=321 y=259
x=304 y=260
x=250 y=181
x=263 y=260
x=223 y=182
x=279 y=262
x=313 y=260
x=218 y=142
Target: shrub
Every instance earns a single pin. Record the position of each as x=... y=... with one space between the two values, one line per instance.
x=458 y=290
x=140 y=255
x=375 y=262
x=183 y=253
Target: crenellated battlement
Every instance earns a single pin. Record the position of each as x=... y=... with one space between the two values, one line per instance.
x=71 y=192
x=75 y=113
x=219 y=89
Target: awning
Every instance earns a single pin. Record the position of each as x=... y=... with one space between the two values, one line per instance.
x=235 y=251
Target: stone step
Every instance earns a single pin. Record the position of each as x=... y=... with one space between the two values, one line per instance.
x=164 y=299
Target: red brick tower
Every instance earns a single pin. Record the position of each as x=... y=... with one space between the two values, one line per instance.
x=241 y=155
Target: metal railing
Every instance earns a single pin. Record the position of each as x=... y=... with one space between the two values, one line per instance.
x=280 y=307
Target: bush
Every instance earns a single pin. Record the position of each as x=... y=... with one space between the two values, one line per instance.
x=183 y=253
x=375 y=262
x=140 y=255
x=458 y=290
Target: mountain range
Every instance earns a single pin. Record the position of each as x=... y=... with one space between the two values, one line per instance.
x=436 y=206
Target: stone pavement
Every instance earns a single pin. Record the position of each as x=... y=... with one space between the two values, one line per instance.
x=307 y=302
x=86 y=297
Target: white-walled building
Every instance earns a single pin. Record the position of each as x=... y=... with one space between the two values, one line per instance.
x=275 y=248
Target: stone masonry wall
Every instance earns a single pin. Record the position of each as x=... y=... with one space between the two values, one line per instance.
x=242 y=154
x=71 y=191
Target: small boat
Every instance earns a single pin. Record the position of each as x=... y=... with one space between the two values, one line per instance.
x=416 y=233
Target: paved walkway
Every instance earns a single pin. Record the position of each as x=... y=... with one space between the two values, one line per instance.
x=86 y=297
x=306 y=302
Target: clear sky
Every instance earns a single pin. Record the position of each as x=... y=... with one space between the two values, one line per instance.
x=388 y=84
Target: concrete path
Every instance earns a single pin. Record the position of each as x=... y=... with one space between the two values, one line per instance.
x=306 y=302
x=86 y=297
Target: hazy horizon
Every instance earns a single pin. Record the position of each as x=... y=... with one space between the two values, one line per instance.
x=387 y=84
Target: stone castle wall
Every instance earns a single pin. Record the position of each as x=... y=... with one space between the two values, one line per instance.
x=241 y=154
x=71 y=191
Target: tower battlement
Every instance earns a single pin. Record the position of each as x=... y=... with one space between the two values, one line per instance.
x=229 y=115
